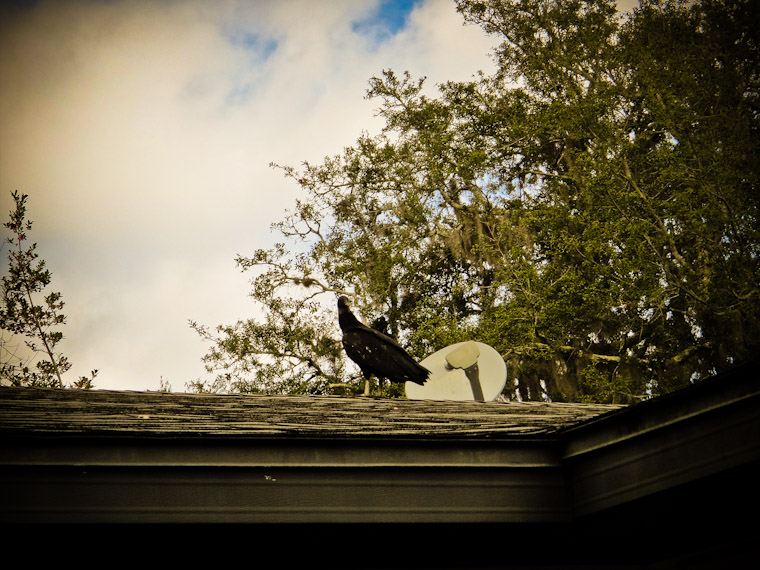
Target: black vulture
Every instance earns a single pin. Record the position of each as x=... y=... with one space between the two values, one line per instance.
x=376 y=353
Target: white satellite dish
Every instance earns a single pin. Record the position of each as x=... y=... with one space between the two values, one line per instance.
x=464 y=371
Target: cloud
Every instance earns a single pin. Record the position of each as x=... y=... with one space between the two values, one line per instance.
x=143 y=130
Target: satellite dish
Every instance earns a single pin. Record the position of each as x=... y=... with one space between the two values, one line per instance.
x=464 y=371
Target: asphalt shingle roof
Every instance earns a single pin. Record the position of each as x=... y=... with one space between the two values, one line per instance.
x=30 y=410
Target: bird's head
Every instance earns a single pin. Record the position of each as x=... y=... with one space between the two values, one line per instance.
x=345 y=317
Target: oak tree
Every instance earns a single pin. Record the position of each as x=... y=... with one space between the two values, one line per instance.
x=590 y=210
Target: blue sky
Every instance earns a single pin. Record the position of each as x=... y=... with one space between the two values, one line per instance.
x=143 y=131
x=393 y=14
x=385 y=20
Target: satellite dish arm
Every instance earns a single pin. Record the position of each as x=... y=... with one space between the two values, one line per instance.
x=466 y=358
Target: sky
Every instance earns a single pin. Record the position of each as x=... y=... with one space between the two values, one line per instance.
x=143 y=132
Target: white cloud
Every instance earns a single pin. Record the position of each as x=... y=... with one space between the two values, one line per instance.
x=143 y=130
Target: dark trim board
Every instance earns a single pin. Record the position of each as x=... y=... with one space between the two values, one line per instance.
x=666 y=442
x=283 y=495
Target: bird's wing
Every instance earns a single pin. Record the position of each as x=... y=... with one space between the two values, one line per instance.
x=378 y=354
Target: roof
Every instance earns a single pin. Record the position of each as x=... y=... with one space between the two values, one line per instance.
x=159 y=414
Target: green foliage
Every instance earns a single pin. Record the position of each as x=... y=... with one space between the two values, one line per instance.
x=23 y=313
x=590 y=210
x=291 y=351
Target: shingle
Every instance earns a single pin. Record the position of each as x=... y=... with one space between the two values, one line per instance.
x=30 y=410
